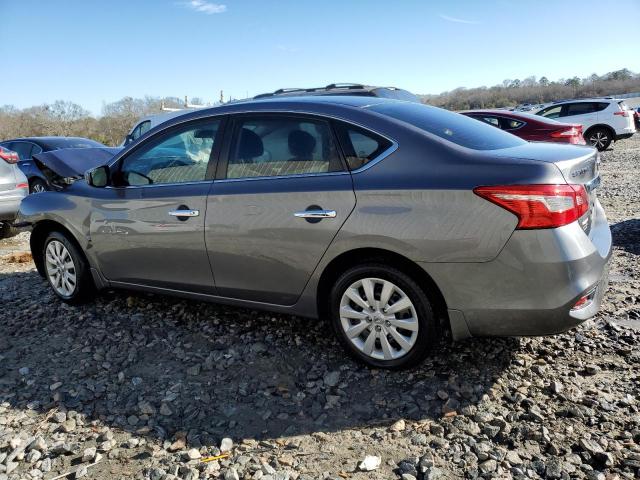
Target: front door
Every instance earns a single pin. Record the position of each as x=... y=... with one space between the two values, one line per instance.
x=148 y=227
x=281 y=196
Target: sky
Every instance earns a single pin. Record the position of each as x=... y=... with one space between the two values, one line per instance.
x=93 y=52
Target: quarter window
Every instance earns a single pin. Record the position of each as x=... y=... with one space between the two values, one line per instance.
x=510 y=123
x=176 y=157
x=360 y=146
x=277 y=145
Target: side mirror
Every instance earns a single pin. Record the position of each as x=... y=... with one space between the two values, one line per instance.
x=128 y=139
x=98 y=177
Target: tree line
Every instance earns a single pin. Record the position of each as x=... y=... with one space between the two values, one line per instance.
x=532 y=90
x=63 y=118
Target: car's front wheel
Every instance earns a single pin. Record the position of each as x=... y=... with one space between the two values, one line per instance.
x=600 y=138
x=38 y=186
x=66 y=269
x=382 y=316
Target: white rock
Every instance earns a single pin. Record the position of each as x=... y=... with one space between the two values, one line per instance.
x=370 y=462
x=226 y=445
x=89 y=454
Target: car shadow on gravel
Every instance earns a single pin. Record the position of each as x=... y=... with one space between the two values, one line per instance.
x=158 y=366
x=626 y=235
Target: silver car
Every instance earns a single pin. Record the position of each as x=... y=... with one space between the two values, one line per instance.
x=13 y=188
x=396 y=222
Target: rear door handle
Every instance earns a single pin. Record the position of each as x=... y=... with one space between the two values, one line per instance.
x=316 y=214
x=184 y=213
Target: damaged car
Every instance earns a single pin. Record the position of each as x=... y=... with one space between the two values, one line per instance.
x=395 y=222
x=60 y=168
x=27 y=147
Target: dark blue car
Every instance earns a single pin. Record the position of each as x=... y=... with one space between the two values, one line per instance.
x=28 y=147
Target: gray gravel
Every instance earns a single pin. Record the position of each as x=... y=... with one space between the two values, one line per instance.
x=140 y=386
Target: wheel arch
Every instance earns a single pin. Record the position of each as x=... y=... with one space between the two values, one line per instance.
x=601 y=125
x=39 y=235
x=359 y=256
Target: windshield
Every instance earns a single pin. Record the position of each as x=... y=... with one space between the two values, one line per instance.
x=59 y=143
x=456 y=128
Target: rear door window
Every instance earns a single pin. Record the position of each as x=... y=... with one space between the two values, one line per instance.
x=360 y=146
x=453 y=127
x=581 y=108
x=277 y=145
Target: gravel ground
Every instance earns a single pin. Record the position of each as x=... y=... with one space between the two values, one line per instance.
x=140 y=386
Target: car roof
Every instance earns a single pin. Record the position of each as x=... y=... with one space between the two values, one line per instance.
x=582 y=100
x=284 y=104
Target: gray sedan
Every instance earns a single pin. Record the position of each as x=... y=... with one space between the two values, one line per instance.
x=396 y=222
x=13 y=188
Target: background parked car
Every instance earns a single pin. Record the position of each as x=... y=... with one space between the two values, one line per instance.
x=13 y=188
x=603 y=120
x=530 y=127
x=145 y=124
x=27 y=147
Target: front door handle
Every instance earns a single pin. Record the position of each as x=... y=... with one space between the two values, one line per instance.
x=317 y=214
x=184 y=213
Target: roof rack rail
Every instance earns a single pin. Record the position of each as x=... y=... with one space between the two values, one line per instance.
x=344 y=85
x=287 y=90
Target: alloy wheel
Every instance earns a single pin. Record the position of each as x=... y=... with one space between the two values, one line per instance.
x=38 y=188
x=61 y=269
x=599 y=139
x=379 y=319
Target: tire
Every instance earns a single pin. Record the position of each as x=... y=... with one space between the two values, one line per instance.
x=37 y=185
x=6 y=230
x=77 y=286
x=418 y=340
x=599 y=137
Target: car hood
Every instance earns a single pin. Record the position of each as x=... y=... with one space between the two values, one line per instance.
x=73 y=162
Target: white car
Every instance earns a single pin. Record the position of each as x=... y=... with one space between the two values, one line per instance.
x=603 y=120
x=147 y=123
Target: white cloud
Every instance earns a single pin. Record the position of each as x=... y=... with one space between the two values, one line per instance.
x=457 y=20
x=203 y=6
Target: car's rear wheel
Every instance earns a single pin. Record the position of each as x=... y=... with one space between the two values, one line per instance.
x=382 y=316
x=66 y=269
x=599 y=137
x=38 y=186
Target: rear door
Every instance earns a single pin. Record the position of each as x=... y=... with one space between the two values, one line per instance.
x=281 y=194
x=584 y=113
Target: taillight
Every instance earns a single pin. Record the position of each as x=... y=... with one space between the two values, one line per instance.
x=22 y=185
x=622 y=113
x=539 y=206
x=9 y=156
x=571 y=132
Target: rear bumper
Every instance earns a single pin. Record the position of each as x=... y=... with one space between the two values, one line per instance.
x=10 y=204
x=622 y=136
x=533 y=284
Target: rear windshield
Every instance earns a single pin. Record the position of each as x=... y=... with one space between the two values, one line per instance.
x=623 y=106
x=396 y=94
x=73 y=143
x=453 y=127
